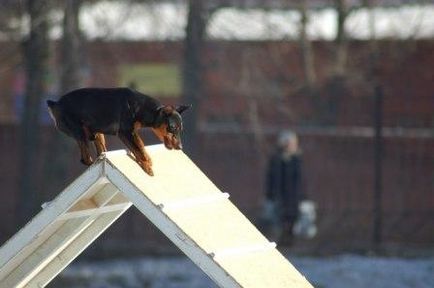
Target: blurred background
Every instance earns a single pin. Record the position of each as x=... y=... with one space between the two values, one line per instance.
x=353 y=78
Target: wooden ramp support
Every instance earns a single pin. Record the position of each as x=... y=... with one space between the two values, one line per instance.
x=180 y=200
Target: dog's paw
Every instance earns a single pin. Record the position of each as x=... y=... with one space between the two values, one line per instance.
x=149 y=171
x=146 y=166
x=86 y=162
x=148 y=160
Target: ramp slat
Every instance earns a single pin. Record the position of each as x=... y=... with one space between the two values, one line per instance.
x=263 y=269
x=74 y=249
x=46 y=252
x=217 y=226
x=88 y=181
x=176 y=179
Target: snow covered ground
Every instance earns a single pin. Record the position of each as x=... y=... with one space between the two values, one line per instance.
x=179 y=272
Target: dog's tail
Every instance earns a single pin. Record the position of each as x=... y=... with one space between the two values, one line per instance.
x=54 y=110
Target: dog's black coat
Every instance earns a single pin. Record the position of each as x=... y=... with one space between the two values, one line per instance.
x=87 y=114
x=104 y=110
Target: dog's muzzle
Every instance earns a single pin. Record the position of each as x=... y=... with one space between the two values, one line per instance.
x=172 y=141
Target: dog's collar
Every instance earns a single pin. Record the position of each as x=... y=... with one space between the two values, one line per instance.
x=159 y=117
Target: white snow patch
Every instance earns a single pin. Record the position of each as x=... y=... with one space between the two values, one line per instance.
x=332 y=272
x=160 y=21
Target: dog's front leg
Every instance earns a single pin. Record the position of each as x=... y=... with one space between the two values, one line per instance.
x=129 y=138
x=139 y=142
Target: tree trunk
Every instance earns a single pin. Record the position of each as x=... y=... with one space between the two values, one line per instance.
x=306 y=49
x=36 y=53
x=71 y=47
x=335 y=86
x=341 y=39
x=61 y=146
x=378 y=149
x=308 y=65
x=252 y=96
x=192 y=72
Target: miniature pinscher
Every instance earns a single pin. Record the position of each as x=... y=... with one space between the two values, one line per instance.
x=87 y=114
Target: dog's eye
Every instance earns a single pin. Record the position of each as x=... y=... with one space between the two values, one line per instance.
x=172 y=127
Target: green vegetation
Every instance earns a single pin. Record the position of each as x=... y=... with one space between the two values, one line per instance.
x=156 y=79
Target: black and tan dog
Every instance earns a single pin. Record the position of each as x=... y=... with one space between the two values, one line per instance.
x=87 y=114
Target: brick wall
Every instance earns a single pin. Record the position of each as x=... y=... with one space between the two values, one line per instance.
x=337 y=175
x=337 y=153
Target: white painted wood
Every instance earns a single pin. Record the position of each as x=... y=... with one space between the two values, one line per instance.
x=74 y=249
x=93 y=211
x=119 y=198
x=83 y=204
x=116 y=152
x=174 y=233
x=46 y=252
x=193 y=201
x=205 y=228
x=105 y=195
x=97 y=204
x=86 y=182
x=180 y=200
x=28 y=249
x=239 y=251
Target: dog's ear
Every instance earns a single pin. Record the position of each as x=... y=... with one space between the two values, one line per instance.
x=165 y=109
x=161 y=113
x=182 y=108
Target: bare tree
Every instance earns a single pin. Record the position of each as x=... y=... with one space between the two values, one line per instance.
x=306 y=49
x=336 y=80
x=36 y=54
x=193 y=69
x=62 y=146
x=341 y=38
x=71 y=47
x=253 y=95
x=308 y=63
x=377 y=92
x=10 y=14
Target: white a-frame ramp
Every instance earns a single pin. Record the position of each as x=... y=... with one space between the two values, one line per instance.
x=180 y=200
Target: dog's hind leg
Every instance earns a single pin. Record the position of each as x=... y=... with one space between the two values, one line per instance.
x=86 y=159
x=100 y=143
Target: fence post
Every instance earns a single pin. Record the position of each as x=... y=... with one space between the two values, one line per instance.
x=378 y=164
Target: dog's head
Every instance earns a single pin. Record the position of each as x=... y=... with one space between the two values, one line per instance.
x=169 y=125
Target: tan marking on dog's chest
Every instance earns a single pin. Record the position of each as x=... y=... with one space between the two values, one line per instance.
x=160 y=131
